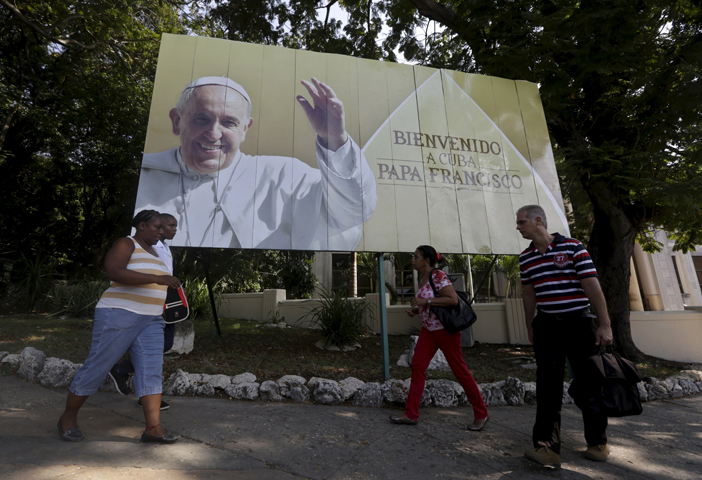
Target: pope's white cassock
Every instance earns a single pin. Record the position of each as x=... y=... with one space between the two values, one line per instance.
x=264 y=201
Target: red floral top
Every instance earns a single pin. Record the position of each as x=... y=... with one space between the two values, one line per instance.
x=429 y=320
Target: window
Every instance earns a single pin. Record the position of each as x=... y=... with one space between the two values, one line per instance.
x=677 y=274
x=697 y=260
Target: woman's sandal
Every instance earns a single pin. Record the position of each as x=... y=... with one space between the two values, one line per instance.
x=72 y=435
x=168 y=438
x=474 y=428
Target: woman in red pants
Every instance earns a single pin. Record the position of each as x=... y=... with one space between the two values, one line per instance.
x=433 y=337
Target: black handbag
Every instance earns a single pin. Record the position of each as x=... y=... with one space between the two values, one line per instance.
x=455 y=318
x=619 y=396
x=176 y=307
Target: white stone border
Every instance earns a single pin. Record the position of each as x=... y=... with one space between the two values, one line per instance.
x=51 y=372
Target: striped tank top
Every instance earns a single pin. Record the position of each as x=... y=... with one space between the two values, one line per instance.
x=147 y=299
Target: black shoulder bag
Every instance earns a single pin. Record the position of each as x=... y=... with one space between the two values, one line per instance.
x=617 y=376
x=455 y=318
x=176 y=307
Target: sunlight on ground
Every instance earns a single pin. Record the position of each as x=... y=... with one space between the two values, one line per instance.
x=453 y=413
x=353 y=415
x=629 y=450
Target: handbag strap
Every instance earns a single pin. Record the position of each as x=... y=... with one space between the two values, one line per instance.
x=436 y=294
x=431 y=282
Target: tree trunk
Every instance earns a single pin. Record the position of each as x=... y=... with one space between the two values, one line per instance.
x=611 y=246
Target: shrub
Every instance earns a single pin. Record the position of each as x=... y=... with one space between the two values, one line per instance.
x=198 y=297
x=77 y=299
x=339 y=318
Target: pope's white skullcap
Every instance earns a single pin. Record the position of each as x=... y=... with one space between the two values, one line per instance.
x=227 y=82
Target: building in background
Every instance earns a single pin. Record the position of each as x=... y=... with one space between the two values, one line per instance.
x=661 y=281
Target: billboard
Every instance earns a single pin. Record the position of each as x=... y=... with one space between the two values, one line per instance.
x=253 y=146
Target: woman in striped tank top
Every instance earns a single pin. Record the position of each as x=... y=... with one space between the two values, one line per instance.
x=128 y=317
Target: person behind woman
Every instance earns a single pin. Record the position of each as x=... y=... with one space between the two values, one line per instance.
x=128 y=317
x=432 y=337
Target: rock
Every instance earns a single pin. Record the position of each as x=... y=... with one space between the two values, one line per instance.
x=274 y=325
x=394 y=392
x=369 y=395
x=177 y=384
x=313 y=381
x=437 y=363
x=687 y=385
x=461 y=395
x=567 y=399
x=528 y=366
x=656 y=391
x=643 y=394
x=530 y=393
x=244 y=378
x=328 y=392
x=218 y=381
x=425 y=401
x=349 y=386
x=695 y=375
x=299 y=393
x=443 y=393
x=287 y=381
x=184 y=339
x=31 y=363
x=3 y=355
x=108 y=385
x=403 y=361
x=513 y=391
x=243 y=391
x=269 y=391
x=57 y=373
x=195 y=377
x=677 y=392
x=669 y=384
x=204 y=390
x=12 y=359
x=492 y=394
x=323 y=345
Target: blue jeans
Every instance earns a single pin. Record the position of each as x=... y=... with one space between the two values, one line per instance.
x=114 y=332
x=125 y=367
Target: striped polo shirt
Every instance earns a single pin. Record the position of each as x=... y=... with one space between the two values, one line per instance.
x=146 y=299
x=556 y=274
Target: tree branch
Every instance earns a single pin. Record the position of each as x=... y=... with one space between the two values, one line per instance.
x=63 y=41
x=434 y=11
x=328 y=7
x=6 y=125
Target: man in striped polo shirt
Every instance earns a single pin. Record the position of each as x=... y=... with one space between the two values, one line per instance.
x=560 y=282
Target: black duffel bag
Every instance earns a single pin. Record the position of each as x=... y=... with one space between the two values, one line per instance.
x=455 y=318
x=618 y=378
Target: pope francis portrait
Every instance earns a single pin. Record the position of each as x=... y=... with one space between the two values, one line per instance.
x=225 y=198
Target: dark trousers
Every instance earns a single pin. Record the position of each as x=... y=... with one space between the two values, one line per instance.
x=557 y=336
x=125 y=367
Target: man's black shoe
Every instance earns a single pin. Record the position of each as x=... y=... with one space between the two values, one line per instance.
x=121 y=381
x=164 y=405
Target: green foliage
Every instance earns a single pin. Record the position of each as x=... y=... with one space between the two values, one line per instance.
x=389 y=288
x=509 y=265
x=75 y=87
x=198 y=297
x=75 y=299
x=339 y=318
x=242 y=271
x=367 y=266
x=30 y=280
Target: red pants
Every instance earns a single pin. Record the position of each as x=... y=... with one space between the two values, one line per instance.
x=449 y=343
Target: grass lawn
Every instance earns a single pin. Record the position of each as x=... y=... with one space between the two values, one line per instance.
x=270 y=353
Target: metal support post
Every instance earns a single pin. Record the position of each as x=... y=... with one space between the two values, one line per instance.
x=383 y=316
